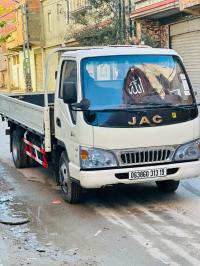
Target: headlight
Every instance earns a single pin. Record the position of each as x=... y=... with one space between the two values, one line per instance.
x=189 y=151
x=96 y=158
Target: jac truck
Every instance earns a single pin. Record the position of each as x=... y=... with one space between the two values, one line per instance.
x=118 y=115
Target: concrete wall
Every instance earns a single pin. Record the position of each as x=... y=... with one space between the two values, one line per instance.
x=17 y=81
x=34 y=20
x=7 y=4
x=149 y=14
x=16 y=38
x=52 y=69
x=54 y=34
x=3 y=70
x=56 y=11
x=34 y=24
x=15 y=42
x=3 y=80
x=3 y=63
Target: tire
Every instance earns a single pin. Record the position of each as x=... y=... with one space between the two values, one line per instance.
x=71 y=191
x=56 y=153
x=32 y=163
x=19 y=156
x=168 y=186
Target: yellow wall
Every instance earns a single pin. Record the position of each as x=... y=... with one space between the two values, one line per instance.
x=16 y=38
x=54 y=34
x=58 y=13
x=53 y=67
x=17 y=81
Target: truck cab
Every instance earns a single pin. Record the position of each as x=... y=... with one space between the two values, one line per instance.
x=125 y=115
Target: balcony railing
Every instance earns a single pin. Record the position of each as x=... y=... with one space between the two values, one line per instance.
x=80 y=6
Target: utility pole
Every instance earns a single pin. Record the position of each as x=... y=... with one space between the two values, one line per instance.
x=26 y=48
x=122 y=20
x=130 y=20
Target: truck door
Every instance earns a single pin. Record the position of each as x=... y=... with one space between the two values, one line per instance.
x=65 y=119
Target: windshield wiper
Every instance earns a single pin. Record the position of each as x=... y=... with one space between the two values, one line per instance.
x=160 y=104
x=140 y=106
x=171 y=105
x=128 y=108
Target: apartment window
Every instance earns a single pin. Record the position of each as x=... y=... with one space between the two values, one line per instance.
x=50 y=21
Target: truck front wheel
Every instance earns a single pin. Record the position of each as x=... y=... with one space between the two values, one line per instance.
x=168 y=186
x=71 y=190
x=20 y=158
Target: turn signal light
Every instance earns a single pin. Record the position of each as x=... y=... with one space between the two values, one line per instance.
x=84 y=155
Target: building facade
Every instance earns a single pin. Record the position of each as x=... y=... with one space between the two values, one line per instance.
x=174 y=24
x=3 y=71
x=21 y=49
x=8 y=16
x=55 y=21
x=50 y=24
x=39 y=26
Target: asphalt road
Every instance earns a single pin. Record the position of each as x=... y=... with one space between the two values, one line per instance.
x=124 y=226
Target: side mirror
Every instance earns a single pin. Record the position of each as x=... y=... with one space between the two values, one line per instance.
x=69 y=92
x=82 y=106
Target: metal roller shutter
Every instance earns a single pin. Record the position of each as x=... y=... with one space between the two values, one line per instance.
x=188 y=46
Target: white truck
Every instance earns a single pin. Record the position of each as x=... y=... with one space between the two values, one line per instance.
x=119 y=115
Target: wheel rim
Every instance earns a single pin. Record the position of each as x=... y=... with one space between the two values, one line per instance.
x=64 y=177
x=14 y=149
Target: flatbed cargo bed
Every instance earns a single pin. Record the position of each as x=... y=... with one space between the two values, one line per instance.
x=27 y=110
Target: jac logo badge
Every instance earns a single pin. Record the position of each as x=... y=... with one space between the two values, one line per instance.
x=174 y=115
x=156 y=119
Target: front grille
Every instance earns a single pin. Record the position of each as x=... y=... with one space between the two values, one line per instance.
x=146 y=156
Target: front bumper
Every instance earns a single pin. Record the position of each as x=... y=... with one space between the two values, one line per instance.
x=101 y=178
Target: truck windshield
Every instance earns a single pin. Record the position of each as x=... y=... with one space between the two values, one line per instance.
x=135 y=80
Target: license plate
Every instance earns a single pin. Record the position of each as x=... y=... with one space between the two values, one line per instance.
x=159 y=172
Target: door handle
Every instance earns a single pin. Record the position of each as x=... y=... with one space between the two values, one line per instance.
x=58 y=122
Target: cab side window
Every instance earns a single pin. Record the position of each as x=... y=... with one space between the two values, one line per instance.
x=69 y=74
